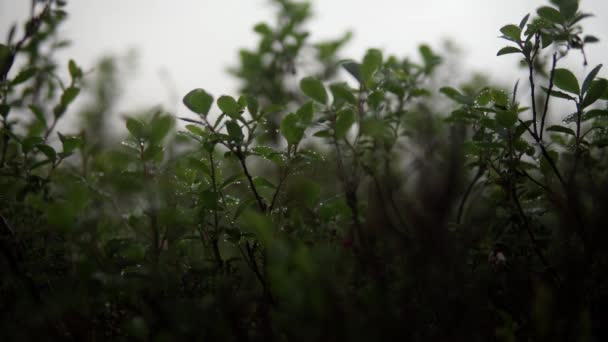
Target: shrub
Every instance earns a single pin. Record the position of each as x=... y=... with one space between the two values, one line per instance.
x=309 y=209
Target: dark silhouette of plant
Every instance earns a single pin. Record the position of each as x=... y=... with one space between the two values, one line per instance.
x=327 y=203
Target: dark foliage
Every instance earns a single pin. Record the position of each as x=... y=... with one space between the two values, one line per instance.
x=308 y=208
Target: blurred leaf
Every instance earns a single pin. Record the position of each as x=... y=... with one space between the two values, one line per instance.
x=152 y=152
x=198 y=101
x=263 y=29
x=506 y=118
x=567 y=8
x=75 y=71
x=353 y=68
x=375 y=99
x=372 y=61
x=314 y=89
x=559 y=94
x=263 y=182
x=38 y=114
x=135 y=127
x=69 y=95
x=209 y=200
x=252 y=105
x=269 y=154
x=24 y=75
x=234 y=131
x=595 y=113
x=70 y=143
x=160 y=127
x=48 y=151
x=196 y=130
x=344 y=121
x=524 y=21
x=292 y=128
x=342 y=93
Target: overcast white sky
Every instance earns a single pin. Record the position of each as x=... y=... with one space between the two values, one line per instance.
x=196 y=40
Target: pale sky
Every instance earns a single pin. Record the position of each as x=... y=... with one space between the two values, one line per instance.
x=195 y=41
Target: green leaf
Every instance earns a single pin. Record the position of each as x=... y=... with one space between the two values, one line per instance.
x=508 y=50
x=292 y=129
x=314 y=89
x=198 y=101
x=24 y=75
x=48 y=151
x=273 y=108
x=524 y=21
x=75 y=71
x=567 y=8
x=242 y=101
x=375 y=99
x=450 y=92
x=229 y=106
x=263 y=182
x=512 y=32
x=590 y=77
x=29 y=143
x=269 y=154
x=306 y=113
x=371 y=63
x=326 y=133
x=429 y=59
x=565 y=80
x=344 y=121
x=499 y=97
x=152 y=152
x=209 y=200
x=550 y=14
x=263 y=29
x=70 y=143
x=559 y=94
x=506 y=118
x=159 y=128
x=252 y=106
x=561 y=129
x=135 y=127
x=595 y=92
x=455 y=95
x=595 y=113
x=484 y=97
x=196 y=130
x=353 y=68
x=546 y=39
x=590 y=39
x=234 y=131
x=342 y=93
x=69 y=95
x=231 y=180
x=38 y=114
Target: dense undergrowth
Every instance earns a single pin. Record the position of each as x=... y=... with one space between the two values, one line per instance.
x=314 y=207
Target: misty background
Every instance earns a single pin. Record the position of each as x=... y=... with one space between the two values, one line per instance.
x=185 y=44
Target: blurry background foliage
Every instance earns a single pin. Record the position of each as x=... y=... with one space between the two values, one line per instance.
x=352 y=199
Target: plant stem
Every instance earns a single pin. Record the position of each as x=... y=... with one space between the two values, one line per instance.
x=549 y=89
x=480 y=173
